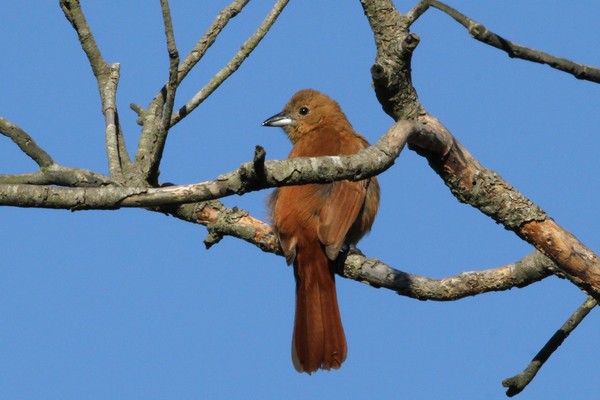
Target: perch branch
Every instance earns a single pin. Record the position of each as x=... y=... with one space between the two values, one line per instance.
x=514 y=50
x=518 y=382
x=364 y=164
x=222 y=221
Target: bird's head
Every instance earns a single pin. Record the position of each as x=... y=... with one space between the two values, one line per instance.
x=306 y=111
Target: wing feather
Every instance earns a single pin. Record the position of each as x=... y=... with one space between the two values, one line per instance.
x=340 y=210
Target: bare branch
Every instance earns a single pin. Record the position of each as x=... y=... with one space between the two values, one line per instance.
x=467 y=179
x=222 y=221
x=517 y=383
x=25 y=143
x=417 y=11
x=61 y=176
x=233 y=64
x=172 y=83
x=74 y=13
x=156 y=120
x=364 y=164
x=210 y=36
x=528 y=270
x=391 y=71
x=107 y=77
x=116 y=151
x=515 y=50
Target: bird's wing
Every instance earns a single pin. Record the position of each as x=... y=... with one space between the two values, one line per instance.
x=338 y=213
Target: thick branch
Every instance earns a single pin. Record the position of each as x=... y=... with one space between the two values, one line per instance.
x=364 y=164
x=392 y=75
x=515 y=50
x=467 y=179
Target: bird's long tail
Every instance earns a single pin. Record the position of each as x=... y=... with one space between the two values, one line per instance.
x=319 y=340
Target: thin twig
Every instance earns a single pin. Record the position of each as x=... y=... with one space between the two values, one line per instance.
x=172 y=83
x=518 y=382
x=233 y=64
x=515 y=50
x=210 y=36
x=25 y=143
x=156 y=127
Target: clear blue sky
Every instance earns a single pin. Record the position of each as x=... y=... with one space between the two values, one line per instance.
x=129 y=305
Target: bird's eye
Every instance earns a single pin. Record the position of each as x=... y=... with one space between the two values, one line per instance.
x=303 y=111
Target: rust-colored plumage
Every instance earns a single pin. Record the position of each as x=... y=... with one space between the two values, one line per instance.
x=314 y=221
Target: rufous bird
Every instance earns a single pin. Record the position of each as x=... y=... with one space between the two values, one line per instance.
x=314 y=222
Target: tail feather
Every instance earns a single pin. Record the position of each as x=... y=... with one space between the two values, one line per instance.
x=319 y=341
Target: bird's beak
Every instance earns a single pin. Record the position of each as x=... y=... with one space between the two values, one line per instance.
x=280 y=119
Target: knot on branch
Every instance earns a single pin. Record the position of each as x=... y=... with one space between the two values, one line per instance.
x=225 y=223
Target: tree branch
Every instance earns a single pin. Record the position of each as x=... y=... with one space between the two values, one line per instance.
x=517 y=383
x=233 y=64
x=173 y=81
x=515 y=50
x=467 y=179
x=116 y=151
x=364 y=164
x=152 y=139
x=221 y=20
x=219 y=23
x=107 y=77
x=25 y=143
x=58 y=175
x=222 y=221
x=74 y=13
x=156 y=121
x=526 y=271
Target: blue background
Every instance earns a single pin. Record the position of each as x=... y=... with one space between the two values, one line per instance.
x=128 y=304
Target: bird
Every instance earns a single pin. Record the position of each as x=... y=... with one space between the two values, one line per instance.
x=315 y=222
